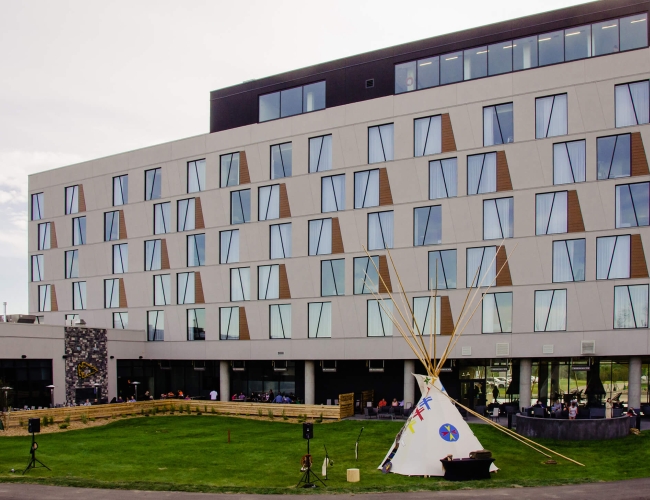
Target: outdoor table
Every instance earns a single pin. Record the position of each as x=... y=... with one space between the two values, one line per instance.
x=467 y=469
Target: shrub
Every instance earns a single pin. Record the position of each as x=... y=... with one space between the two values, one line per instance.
x=284 y=416
x=260 y=412
x=67 y=420
x=205 y=408
x=51 y=420
x=45 y=421
x=21 y=422
x=188 y=409
x=92 y=419
x=180 y=409
x=155 y=410
x=270 y=414
x=212 y=410
x=63 y=426
x=84 y=418
x=198 y=413
x=319 y=420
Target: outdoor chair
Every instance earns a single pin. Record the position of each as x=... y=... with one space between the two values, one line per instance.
x=495 y=414
x=480 y=410
x=370 y=412
x=385 y=412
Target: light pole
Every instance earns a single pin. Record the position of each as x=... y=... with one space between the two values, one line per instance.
x=136 y=384
x=7 y=389
x=97 y=391
x=51 y=388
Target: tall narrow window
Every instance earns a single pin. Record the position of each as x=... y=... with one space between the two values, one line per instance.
x=78 y=295
x=229 y=246
x=632 y=204
x=162 y=218
x=568 y=260
x=152 y=255
x=240 y=206
x=162 y=295
x=195 y=176
x=366 y=189
x=292 y=101
x=451 y=68
x=196 y=250
x=632 y=103
x=38 y=268
x=424 y=315
x=550 y=310
x=475 y=63
x=634 y=31
x=196 y=324
x=240 y=284
x=152 y=183
x=605 y=37
x=631 y=306
x=551 y=116
x=111 y=293
x=320 y=237
x=614 y=155
x=498 y=125
x=121 y=258
x=551 y=213
x=320 y=154
x=428 y=136
x=79 y=231
x=333 y=193
x=268 y=282
x=229 y=323
x=72 y=264
x=120 y=320
x=185 y=288
x=420 y=74
x=481 y=266
x=500 y=58
x=186 y=215
x=320 y=320
x=442 y=267
x=379 y=322
x=229 y=170
x=281 y=162
x=366 y=277
x=551 y=48
x=332 y=277
x=37 y=206
x=613 y=257
x=112 y=226
x=44 y=236
x=497 y=312
x=280 y=321
x=569 y=162
x=577 y=43
x=380 y=230
x=443 y=178
x=380 y=143
x=482 y=173
x=155 y=325
x=269 y=202
x=498 y=218
x=427 y=226
x=281 y=241
x=71 y=200
x=120 y=190
x=44 y=298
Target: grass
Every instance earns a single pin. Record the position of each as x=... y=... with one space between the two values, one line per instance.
x=191 y=453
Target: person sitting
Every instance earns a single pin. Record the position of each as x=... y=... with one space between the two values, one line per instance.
x=188 y=398
x=87 y=403
x=132 y=400
x=171 y=394
x=163 y=396
x=147 y=396
x=278 y=398
x=180 y=394
x=242 y=397
x=382 y=403
x=120 y=400
x=631 y=412
x=234 y=397
x=557 y=408
x=394 y=403
x=538 y=404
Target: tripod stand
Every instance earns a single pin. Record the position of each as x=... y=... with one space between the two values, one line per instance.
x=306 y=478
x=32 y=462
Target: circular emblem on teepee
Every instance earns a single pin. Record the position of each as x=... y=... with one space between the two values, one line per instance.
x=449 y=433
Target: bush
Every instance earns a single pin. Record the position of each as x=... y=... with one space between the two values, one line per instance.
x=188 y=409
x=84 y=418
x=284 y=416
x=180 y=409
x=198 y=413
x=67 y=420
x=212 y=410
x=319 y=420
x=45 y=421
x=205 y=408
x=301 y=418
x=92 y=419
x=270 y=414
x=260 y=412
x=21 y=422
x=63 y=426
x=51 y=420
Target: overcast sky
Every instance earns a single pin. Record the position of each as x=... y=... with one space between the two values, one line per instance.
x=88 y=78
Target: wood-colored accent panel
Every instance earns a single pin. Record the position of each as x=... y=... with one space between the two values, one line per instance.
x=448 y=141
x=199 y=223
x=164 y=255
x=638 y=265
x=575 y=224
x=53 y=243
x=639 y=159
x=446 y=318
x=82 y=199
x=385 y=285
x=504 y=279
x=244 y=175
x=244 y=334
x=123 y=235
x=285 y=209
x=385 y=195
x=123 y=302
x=337 y=239
x=285 y=292
x=54 y=304
x=199 y=298
x=503 y=172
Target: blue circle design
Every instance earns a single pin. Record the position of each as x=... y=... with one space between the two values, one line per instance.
x=449 y=433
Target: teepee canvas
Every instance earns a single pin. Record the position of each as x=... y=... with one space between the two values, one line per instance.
x=434 y=430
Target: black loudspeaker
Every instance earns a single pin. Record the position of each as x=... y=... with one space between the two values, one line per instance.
x=308 y=430
x=34 y=425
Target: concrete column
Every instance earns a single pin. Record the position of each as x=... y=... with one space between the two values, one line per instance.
x=634 y=383
x=224 y=381
x=111 y=365
x=525 y=369
x=409 y=382
x=310 y=383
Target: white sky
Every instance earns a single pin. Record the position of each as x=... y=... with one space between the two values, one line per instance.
x=84 y=79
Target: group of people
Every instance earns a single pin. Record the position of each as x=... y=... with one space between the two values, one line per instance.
x=266 y=397
x=572 y=408
x=383 y=403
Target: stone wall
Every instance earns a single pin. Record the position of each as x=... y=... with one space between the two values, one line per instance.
x=86 y=361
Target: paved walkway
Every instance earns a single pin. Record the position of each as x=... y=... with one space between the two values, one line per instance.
x=635 y=489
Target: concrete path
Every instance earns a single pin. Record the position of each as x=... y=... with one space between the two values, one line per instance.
x=634 y=489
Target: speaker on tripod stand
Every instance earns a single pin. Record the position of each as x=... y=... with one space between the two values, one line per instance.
x=305 y=464
x=34 y=426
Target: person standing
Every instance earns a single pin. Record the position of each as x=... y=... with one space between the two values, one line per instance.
x=573 y=410
x=608 y=408
x=213 y=395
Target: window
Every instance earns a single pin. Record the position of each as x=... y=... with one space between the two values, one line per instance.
x=577 y=43
x=498 y=218
x=112 y=226
x=380 y=230
x=229 y=323
x=380 y=143
x=38 y=268
x=120 y=190
x=281 y=241
x=229 y=170
x=420 y=74
x=497 y=312
x=44 y=298
x=152 y=255
x=320 y=154
x=320 y=237
x=423 y=315
x=162 y=218
x=229 y=246
x=186 y=215
x=332 y=277
x=568 y=260
x=443 y=178
x=631 y=306
x=524 y=55
x=196 y=250
x=634 y=32
x=155 y=325
x=71 y=264
x=366 y=276
x=280 y=319
x=569 y=162
x=379 y=322
x=111 y=293
x=78 y=295
x=152 y=181
x=269 y=202
x=551 y=116
x=632 y=103
x=79 y=231
x=120 y=320
x=427 y=226
x=614 y=156
x=451 y=68
x=292 y=101
x=44 y=238
x=240 y=206
x=632 y=204
x=196 y=324
x=366 y=189
x=482 y=173
x=320 y=319
x=500 y=58
x=442 y=267
x=240 y=284
x=498 y=126
x=333 y=193
x=121 y=258
x=71 y=200
x=613 y=257
x=550 y=310
x=185 y=288
x=551 y=48
x=551 y=213
x=475 y=63
x=281 y=160
x=37 y=206
x=268 y=279
x=162 y=295
x=195 y=176
x=428 y=136
x=481 y=266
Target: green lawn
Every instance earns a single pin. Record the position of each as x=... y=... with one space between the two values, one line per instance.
x=191 y=453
